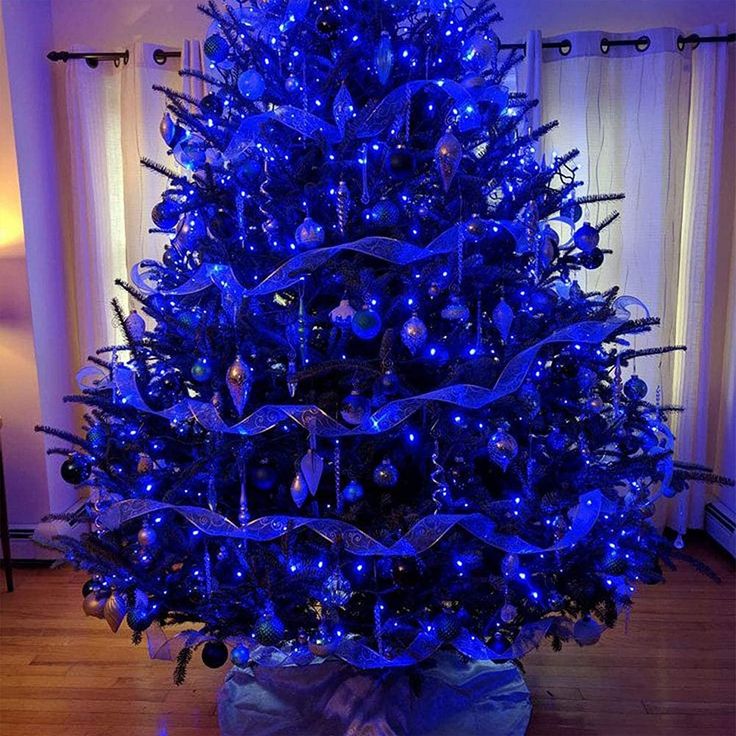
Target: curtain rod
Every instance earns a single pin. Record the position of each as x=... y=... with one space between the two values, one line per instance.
x=160 y=56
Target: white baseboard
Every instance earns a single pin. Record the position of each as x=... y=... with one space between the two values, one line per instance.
x=24 y=539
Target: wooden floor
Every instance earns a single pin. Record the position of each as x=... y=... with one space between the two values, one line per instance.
x=672 y=674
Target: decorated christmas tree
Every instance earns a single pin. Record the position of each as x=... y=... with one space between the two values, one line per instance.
x=370 y=412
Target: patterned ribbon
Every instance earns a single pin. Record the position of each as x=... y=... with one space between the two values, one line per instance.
x=391 y=108
x=391 y=414
x=423 y=535
x=295 y=268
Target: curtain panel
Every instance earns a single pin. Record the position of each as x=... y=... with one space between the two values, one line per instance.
x=650 y=123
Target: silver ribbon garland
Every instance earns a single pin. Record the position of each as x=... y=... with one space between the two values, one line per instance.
x=421 y=537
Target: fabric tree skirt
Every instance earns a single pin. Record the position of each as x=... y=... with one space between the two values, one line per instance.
x=446 y=697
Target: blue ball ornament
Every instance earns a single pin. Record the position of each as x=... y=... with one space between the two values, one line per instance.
x=165 y=215
x=214 y=654
x=309 y=234
x=571 y=211
x=201 y=370
x=586 y=237
x=240 y=655
x=352 y=492
x=76 y=468
x=251 y=84
x=635 y=389
x=592 y=260
x=366 y=323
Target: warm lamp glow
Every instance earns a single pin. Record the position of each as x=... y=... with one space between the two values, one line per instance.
x=11 y=231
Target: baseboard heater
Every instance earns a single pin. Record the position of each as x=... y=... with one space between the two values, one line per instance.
x=720 y=525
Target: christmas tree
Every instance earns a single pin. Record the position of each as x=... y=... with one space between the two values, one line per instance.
x=371 y=412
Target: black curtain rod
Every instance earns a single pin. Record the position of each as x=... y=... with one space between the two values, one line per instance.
x=93 y=58
x=642 y=43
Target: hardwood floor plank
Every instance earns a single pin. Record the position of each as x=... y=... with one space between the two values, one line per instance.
x=671 y=672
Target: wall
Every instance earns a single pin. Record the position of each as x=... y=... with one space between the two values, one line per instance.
x=25 y=472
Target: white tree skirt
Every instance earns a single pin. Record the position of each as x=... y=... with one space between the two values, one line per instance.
x=444 y=698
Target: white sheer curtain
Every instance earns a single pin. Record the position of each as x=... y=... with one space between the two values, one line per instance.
x=650 y=124
x=113 y=118
x=98 y=217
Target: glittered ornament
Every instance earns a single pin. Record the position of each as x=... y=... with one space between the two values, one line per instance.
x=94 y=605
x=386 y=475
x=508 y=613
x=216 y=48
x=384 y=60
x=201 y=370
x=447 y=626
x=309 y=234
x=354 y=408
x=586 y=631
x=214 y=654
x=115 y=609
x=414 y=334
x=635 y=389
x=238 y=379
x=352 y=492
x=337 y=590
x=269 y=630
x=165 y=214
x=76 y=468
x=323 y=643
x=97 y=437
x=495 y=95
x=586 y=237
x=135 y=326
x=447 y=155
x=502 y=448
x=366 y=323
x=456 y=310
x=299 y=489
x=384 y=214
x=342 y=315
x=240 y=655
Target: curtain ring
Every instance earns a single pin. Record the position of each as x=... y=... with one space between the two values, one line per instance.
x=682 y=41
x=159 y=56
x=643 y=43
x=565 y=47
